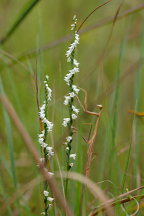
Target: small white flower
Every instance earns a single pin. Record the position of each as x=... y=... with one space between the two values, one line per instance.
x=67 y=148
x=71 y=164
x=75 y=109
x=74 y=116
x=51 y=173
x=75 y=89
x=47 y=77
x=43 y=213
x=50 y=151
x=41 y=134
x=41 y=141
x=72 y=46
x=74 y=70
x=76 y=63
x=68 y=77
x=69 y=138
x=67 y=99
x=73 y=156
x=49 y=124
x=72 y=26
x=72 y=94
x=74 y=17
x=44 y=145
x=50 y=199
x=65 y=122
x=49 y=91
x=46 y=193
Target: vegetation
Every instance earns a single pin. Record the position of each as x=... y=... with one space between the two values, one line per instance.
x=71 y=123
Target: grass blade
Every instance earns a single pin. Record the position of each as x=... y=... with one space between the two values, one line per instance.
x=22 y=15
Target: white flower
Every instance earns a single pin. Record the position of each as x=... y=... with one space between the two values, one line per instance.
x=42 y=111
x=72 y=26
x=74 y=70
x=43 y=213
x=48 y=123
x=50 y=151
x=51 y=173
x=44 y=145
x=46 y=193
x=76 y=63
x=49 y=91
x=75 y=89
x=65 y=122
x=67 y=148
x=74 y=18
x=71 y=94
x=74 y=116
x=41 y=135
x=73 y=156
x=68 y=77
x=50 y=199
x=69 y=138
x=75 y=109
x=71 y=164
x=67 y=99
x=72 y=46
x=41 y=140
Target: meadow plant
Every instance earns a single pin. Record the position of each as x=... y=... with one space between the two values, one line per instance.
x=46 y=150
x=69 y=98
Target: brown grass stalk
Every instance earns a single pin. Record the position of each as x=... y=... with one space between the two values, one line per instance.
x=31 y=147
x=91 y=142
x=117 y=200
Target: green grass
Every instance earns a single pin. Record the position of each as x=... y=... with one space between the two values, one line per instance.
x=118 y=152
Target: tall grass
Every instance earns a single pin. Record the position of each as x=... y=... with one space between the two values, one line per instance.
x=116 y=164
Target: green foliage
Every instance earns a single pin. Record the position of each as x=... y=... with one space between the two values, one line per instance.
x=111 y=71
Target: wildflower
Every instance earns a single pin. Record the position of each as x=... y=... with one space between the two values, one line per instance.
x=74 y=116
x=71 y=94
x=48 y=124
x=74 y=70
x=67 y=99
x=51 y=173
x=46 y=193
x=48 y=150
x=75 y=89
x=75 y=109
x=76 y=63
x=50 y=199
x=71 y=164
x=73 y=156
x=49 y=91
x=66 y=122
x=69 y=138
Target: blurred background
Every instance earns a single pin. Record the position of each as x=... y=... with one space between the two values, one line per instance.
x=110 y=53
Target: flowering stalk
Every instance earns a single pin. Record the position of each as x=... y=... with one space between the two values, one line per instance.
x=46 y=150
x=69 y=99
